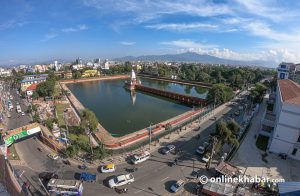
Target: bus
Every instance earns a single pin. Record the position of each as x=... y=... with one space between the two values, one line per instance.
x=65 y=187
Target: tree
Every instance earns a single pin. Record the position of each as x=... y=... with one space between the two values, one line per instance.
x=72 y=150
x=76 y=74
x=220 y=93
x=233 y=126
x=257 y=94
x=88 y=120
x=225 y=135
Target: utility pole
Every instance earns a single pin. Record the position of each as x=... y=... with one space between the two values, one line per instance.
x=89 y=134
x=150 y=135
x=215 y=141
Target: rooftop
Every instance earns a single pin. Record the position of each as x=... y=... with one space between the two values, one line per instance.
x=33 y=79
x=290 y=91
x=32 y=87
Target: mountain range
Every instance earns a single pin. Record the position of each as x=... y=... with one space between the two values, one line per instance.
x=195 y=57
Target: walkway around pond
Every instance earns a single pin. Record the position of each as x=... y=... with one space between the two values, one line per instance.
x=185 y=82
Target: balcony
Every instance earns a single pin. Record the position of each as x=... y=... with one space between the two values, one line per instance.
x=269 y=119
x=266 y=130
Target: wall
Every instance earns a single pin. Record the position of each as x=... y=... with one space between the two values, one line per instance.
x=8 y=179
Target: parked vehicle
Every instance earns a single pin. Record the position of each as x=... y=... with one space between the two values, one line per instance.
x=205 y=157
x=177 y=186
x=84 y=167
x=168 y=149
x=65 y=187
x=22 y=113
x=201 y=149
x=85 y=176
x=138 y=158
x=121 y=180
x=120 y=191
x=53 y=156
x=108 y=168
x=67 y=162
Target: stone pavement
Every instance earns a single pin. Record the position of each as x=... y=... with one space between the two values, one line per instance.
x=249 y=158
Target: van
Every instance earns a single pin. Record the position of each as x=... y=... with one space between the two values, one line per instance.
x=138 y=158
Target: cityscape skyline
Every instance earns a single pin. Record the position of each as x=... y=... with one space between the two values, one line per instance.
x=238 y=30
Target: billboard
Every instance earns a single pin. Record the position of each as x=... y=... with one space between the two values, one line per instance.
x=11 y=139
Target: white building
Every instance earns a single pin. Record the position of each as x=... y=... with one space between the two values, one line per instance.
x=5 y=72
x=283 y=70
x=285 y=137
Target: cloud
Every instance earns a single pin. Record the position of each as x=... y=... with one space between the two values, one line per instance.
x=187 y=44
x=49 y=36
x=74 y=29
x=12 y=24
x=126 y=43
x=182 y=26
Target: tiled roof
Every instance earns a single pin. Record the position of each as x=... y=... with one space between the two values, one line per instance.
x=32 y=87
x=290 y=91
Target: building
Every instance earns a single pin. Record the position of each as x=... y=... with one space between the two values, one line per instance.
x=63 y=74
x=40 y=68
x=283 y=70
x=5 y=72
x=283 y=120
x=30 y=89
x=32 y=79
x=90 y=73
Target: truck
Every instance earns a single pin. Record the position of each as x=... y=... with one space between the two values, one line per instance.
x=85 y=176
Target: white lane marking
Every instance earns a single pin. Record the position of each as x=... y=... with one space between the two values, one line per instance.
x=164 y=179
x=136 y=192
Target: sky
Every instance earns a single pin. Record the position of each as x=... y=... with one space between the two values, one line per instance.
x=32 y=31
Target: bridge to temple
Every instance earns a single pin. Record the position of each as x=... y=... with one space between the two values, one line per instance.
x=172 y=95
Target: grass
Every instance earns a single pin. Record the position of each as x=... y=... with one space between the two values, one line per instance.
x=60 y=108
x=13 y=155
x=262 y=142
x=80 y=138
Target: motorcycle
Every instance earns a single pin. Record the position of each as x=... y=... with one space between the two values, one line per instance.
x=120 y=191
x=39 y=149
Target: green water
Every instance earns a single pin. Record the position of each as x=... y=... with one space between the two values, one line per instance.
x=122 y=112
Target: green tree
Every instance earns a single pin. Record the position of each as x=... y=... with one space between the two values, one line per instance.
x=76 y=74
x=220 y=93
x=233 y=126
x=71 y=150
x=88 y=120
x=257 y=94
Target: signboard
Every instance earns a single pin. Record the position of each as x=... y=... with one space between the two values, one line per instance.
x=11 y=139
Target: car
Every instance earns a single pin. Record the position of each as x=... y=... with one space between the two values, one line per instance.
x=168 y=149
x=108 y=168
x=67 y=162
x=17 y=103
x=22 y=113
x=120 y=180
x=200 y=150
x=177 y=186
x=237 y=113
x=53 y=156
x=8 y=115
x=89 y=177
x=205 y=158
x=46 y=176
x=138 y=158
x=83 y=167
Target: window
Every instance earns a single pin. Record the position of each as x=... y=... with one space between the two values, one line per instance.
x=298 y=139
x=294 y=151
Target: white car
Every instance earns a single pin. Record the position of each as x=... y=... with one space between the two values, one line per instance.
x=177 y=186
x=53 y=156
x=108 y=168
x=23 y=114
x=205 y=158
x=138 y=158
x=121 y=180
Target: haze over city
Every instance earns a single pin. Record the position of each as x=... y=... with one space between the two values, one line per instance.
x=33 y=31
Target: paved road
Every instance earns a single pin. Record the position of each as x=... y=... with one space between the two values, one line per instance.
x=154 y=177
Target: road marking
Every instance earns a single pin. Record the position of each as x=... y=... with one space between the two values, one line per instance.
x=136 y=192
x=164 y=179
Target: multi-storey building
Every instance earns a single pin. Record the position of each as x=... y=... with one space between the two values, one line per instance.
x=282 y=121
x=32 y=79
